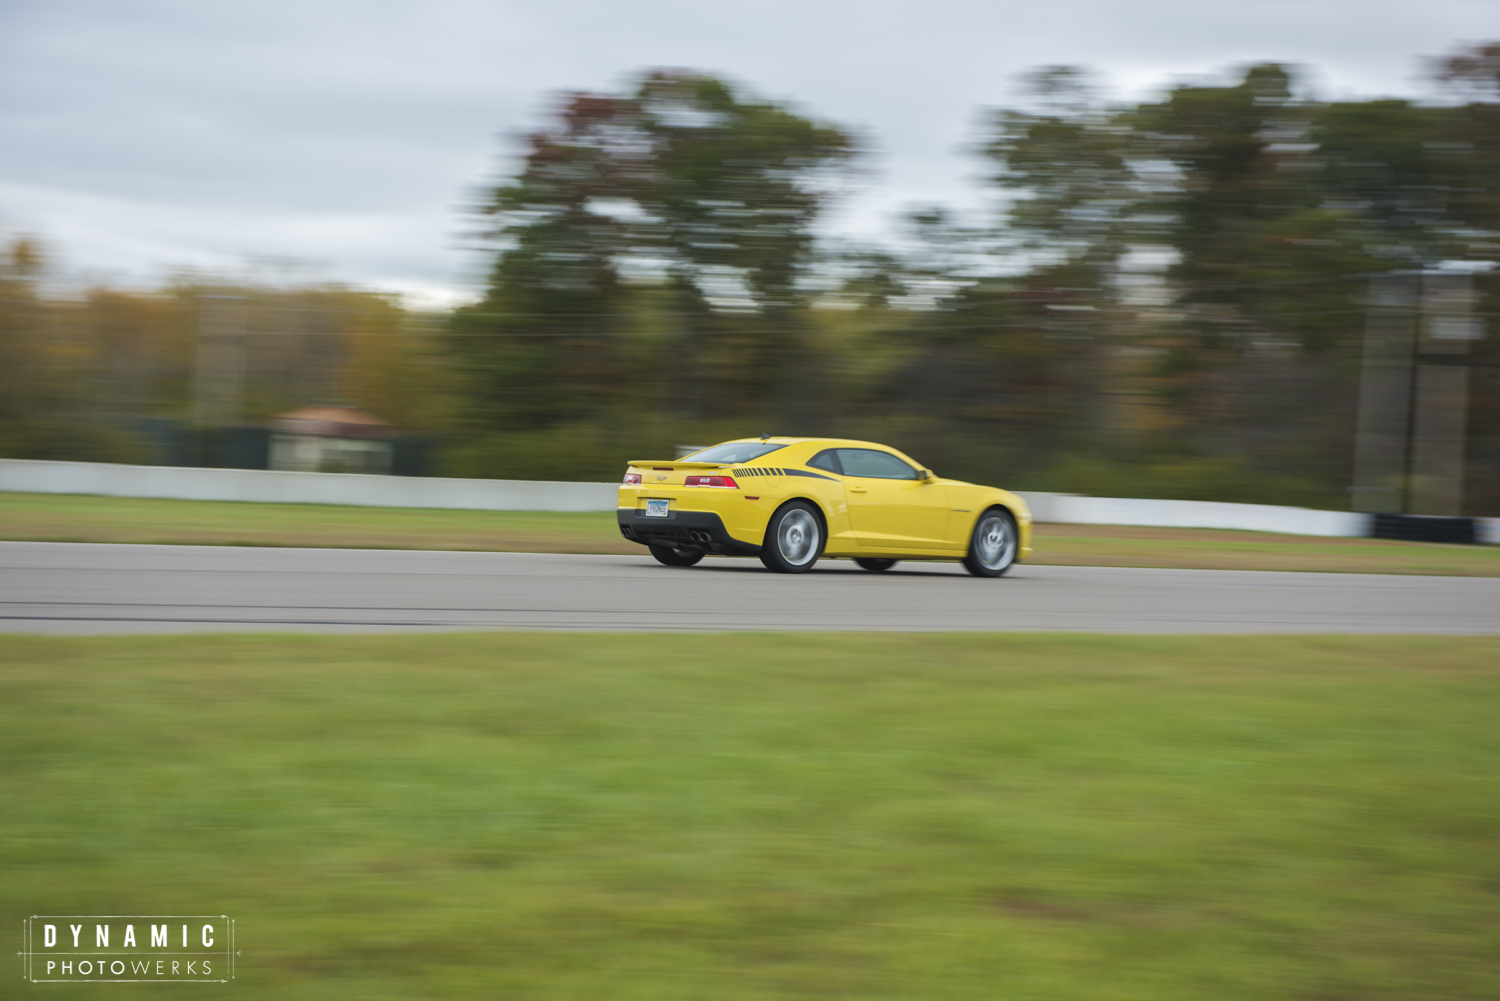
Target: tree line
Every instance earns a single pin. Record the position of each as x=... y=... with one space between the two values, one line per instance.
x=1170 y=299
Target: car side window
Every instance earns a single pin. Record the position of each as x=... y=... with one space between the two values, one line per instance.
x=877 y=465
x=827 y=459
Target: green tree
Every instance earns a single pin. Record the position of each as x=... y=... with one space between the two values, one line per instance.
x=1232 y=177
x=1066 y=167
x=682 y=184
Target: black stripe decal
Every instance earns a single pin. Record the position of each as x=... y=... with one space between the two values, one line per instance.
x=803 y=472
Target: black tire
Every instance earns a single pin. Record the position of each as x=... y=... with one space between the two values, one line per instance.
x=676 y=557
x=877 y=565
x=993 y=545
x=794 y=538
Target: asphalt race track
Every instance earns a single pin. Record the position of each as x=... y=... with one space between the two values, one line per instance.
x=84 y=588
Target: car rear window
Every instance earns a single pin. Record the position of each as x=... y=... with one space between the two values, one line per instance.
x=873 y=464
x=732 y=453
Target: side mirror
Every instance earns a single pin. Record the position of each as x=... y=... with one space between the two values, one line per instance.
x=925 y=474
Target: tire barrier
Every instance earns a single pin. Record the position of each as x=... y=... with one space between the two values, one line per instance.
x=1425 y=528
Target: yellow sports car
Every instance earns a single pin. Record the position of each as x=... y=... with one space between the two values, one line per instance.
x=791 y=500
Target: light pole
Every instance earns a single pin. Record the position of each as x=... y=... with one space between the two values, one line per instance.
x=1413 y=393
x=1441 y=394
x=219 y=366
x=1384 y=415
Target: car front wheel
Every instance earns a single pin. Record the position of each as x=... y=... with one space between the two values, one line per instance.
x=676 y=557
x=992 y=548
x=794 y=539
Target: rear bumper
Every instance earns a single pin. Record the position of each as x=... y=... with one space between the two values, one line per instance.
x=682 y=530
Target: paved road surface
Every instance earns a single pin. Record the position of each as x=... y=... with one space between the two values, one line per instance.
x=78 y=588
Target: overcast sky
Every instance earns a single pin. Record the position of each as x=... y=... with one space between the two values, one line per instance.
x=141 y=135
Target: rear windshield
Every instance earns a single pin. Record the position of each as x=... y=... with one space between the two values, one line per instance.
x=732 y=453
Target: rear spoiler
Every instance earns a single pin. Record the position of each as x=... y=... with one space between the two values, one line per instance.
x=676 y=464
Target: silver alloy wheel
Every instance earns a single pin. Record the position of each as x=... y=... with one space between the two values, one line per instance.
x=797 y=537
x=995 y=542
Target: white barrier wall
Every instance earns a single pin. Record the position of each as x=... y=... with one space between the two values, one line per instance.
x=189 y=483
x=1072 y=509
x=272 y=486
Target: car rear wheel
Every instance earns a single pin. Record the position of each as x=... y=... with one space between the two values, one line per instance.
x=870 y=563
x=676 y=557
x=992 y=548
x=794 y=539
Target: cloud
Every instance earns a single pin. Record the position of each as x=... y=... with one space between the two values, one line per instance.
x=144 y=133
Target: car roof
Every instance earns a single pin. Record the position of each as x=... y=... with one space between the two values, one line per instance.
x=779 y=440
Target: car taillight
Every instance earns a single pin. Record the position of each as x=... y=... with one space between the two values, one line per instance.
x=711 y=481
x=632 y=480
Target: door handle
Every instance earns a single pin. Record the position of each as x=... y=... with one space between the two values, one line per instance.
x=857 y=490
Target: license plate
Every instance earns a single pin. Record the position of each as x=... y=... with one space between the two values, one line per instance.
x=657 y=508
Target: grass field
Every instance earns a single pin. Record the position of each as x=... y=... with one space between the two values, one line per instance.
x=69 y=518
x=772 y=816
